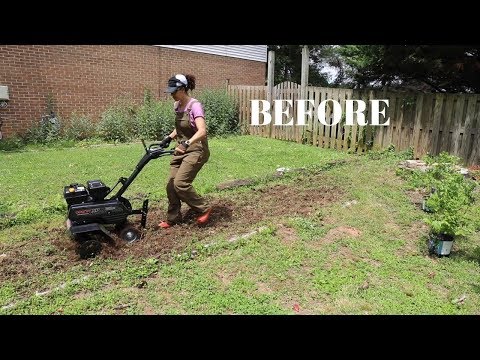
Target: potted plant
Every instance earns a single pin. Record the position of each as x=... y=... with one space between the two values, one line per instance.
x=443 y=230
x=448 y=204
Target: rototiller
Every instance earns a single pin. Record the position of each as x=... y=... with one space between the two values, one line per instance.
x=93 y=218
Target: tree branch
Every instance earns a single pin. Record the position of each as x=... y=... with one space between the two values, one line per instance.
x=432 y=85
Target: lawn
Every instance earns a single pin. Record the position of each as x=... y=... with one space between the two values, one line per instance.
x=339 y=234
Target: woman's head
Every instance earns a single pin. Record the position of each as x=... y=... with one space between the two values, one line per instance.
x=179 y=84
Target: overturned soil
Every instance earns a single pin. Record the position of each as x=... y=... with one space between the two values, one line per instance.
x=229 y=217
x=232 y=214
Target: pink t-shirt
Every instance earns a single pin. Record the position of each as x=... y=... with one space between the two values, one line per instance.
x=197 y=110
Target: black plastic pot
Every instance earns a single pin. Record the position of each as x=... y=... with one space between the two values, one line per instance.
x=440 y=244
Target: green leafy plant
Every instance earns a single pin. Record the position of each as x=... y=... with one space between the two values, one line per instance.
x=11 y=143
x=446 y=223
x=408 y=101
x=441 y=167
x=451 y=200
x=221 y=113
x=154 y=119
x=79 y=127
x=391 y=153
x=47 y=130
x=117 y=122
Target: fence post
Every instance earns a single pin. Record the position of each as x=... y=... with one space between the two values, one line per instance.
x=303 y=86
x=270 y=84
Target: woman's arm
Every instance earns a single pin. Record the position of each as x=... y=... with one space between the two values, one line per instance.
x=201 y=133
x=173 y=134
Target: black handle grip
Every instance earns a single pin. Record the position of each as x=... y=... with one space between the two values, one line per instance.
x=155 y=146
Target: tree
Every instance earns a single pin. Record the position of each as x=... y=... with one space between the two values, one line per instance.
x=437 y=68
x=288 y=64
x=421 y=67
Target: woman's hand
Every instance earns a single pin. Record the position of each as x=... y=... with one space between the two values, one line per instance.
x=180 y=149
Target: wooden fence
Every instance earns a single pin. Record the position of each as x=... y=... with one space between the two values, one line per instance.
x=427 y=122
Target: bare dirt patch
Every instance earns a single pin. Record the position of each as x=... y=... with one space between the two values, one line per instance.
x=338 y=233
x=235 y=183
x=231 y=217
x=287 y=235
x=263 y=288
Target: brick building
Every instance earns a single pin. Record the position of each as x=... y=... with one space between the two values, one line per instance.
x=88 y=78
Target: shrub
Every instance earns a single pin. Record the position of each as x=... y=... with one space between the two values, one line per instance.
x=440 y=168
x=449 y=203
x=11 y=143
x=451 y=199
x=46 y=131
x=154 y=119
x=79 y=127
x=451 y=196
x=221 y=113
x=117 y=122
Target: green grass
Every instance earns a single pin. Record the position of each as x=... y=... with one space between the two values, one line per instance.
x=32 y=182
x=364 y=253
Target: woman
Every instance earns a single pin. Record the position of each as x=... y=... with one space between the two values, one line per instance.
x=190 y=154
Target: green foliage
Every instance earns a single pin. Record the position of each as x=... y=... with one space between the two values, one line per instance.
x=79 y=127
x=372 y=131
x=117 y=122
x=50 y=106
x=134 y=271
x=447 y=223
x=441 y=167
x=154 y=119
x=390 y=153
x=449 y=203
x=221 y=113
x=11 y=143
x=408 y=102
x=29 y=214
x=288 y=64
x=451 y=195
x=414 y=65
x=45 y=131
x=444 y=160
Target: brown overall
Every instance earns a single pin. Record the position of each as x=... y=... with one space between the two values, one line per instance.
x=184 y=169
